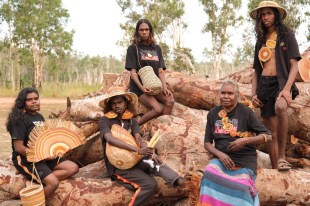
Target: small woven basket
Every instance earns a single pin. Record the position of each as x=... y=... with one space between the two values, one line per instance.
x=150 y=80
x=32 y=196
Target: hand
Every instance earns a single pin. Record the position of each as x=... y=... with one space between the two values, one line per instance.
x=145 y=151
x=146 y=90
x=287 y=96
x=167 y=92
x=226 y=160
x=256 y=102
x=237 y=144
x=157 y=159
x=51 y=157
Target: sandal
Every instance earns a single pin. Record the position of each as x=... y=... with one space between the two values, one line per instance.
x=284 y=165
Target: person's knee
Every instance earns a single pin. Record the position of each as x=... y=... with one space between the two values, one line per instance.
x=53 y=185
x=170 y=102
x=280 y=109
x=158 y=110
x=152 y=185
x=73 y=169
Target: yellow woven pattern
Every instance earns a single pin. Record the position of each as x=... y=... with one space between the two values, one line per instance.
x=54 y=137
x=32 y=196
x=121 y=158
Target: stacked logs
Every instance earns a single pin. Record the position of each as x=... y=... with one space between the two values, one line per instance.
x=181 y=147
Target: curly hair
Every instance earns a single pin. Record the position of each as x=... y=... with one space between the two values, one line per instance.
x=17 y=113
x=136 y=37
x=261 y=30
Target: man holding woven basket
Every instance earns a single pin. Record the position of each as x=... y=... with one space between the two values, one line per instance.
x=129 y=159
x=146 y=64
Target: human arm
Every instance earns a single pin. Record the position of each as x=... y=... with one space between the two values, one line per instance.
x=256 y=102
x=224 y=158
x=135 y=78
x=161 y=71
x=254 y=125
x=162 y=78
x=121 y=144
x=19 y=146
x=241 y=142
x=286 y=91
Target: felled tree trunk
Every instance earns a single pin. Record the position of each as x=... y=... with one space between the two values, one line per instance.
x=244 y=76
x=281 y=188
x=89 y=187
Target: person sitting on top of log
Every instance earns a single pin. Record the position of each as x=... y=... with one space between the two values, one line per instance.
x=136 y=160
x=20 y=122
x=235 y=130
x=275 y=64
x=145 y=52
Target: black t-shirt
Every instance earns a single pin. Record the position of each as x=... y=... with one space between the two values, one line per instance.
x=22 y=130
x=105 y=126
x=243 y=119
x=149 y=55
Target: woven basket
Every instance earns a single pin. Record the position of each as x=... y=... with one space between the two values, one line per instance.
x=54 y=137
x=32 y=196
x=150 y=80
x=121 y=158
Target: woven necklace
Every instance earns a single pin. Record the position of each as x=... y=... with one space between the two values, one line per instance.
x=229 y=127
x=265 y=53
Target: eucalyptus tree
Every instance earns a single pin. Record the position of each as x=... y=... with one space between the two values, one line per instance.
x=39 y=28
x=165 y=16
x=222 y=15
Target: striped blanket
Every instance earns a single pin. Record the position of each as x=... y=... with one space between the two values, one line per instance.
x=223 y=187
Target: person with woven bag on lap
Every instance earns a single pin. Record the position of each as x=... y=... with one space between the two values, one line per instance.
x=133 y=160
x=20 y=122
x=145 y=62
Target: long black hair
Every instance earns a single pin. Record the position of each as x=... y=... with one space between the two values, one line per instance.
x=136 y=37
x=17 y=112
x=261 y=30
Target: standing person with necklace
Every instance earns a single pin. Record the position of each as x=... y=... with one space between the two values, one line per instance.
x=145 y=52
x=275 y=64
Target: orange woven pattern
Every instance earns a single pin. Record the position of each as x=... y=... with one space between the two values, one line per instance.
x=32 y=196
x=54 y=137
x=121 y=158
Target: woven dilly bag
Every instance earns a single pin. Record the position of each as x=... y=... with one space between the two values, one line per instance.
x=150 y=80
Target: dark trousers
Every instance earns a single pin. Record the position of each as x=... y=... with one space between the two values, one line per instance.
x=139 y=179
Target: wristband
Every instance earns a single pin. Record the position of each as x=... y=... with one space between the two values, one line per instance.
x=142 y=142
x=265 y=137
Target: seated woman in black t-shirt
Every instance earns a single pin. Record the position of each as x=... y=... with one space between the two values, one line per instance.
x=21 y=120
x=235 y=130
x=145 y=52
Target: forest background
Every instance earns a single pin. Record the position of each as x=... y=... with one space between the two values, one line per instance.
x=36 y=44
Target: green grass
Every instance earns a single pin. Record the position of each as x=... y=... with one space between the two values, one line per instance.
x=59 y=90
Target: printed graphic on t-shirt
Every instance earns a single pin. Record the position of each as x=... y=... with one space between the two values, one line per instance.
x=218 y=127
x=38 y=123
x=150 y=55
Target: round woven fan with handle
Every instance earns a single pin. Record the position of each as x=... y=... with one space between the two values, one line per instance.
x=53 y=137
x=118 y=157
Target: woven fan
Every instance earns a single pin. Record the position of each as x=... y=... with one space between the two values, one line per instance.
x=53 y=137
x=121 y=158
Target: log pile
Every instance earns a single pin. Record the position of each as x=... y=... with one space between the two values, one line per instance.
x=181 y=147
